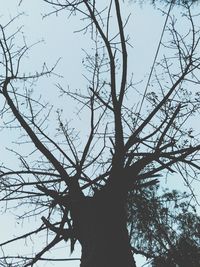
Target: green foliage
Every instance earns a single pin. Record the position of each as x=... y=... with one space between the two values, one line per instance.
x=186 y=253
x=165 y=227
x=163 y=262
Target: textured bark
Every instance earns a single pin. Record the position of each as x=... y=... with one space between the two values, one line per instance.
x=100 y=226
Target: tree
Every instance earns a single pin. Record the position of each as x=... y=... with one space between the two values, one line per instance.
x=82 y=186
x=173 y=2
x=164 y=227
x=186 y=254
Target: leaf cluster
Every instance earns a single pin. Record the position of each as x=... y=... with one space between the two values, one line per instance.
x=164 y=227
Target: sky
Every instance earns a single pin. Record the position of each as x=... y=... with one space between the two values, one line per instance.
x=57 y=39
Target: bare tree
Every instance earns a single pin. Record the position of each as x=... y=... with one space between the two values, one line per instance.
x=81 y=188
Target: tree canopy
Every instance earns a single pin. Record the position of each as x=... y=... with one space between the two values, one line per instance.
x=98 y=184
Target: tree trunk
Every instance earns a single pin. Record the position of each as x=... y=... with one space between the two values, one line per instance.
x=100 y=227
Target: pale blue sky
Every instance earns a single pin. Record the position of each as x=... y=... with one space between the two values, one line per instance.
x=144 y=29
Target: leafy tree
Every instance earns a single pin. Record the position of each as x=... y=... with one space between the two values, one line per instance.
x=187 y=253
x=79 y=185
x=164 y=227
